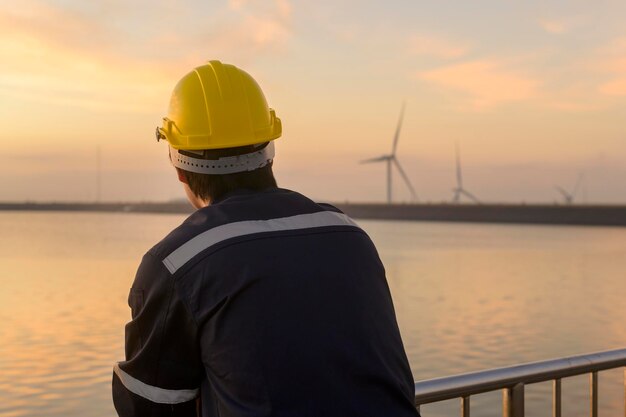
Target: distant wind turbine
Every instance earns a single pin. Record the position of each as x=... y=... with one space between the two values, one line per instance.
x=391 y=159
x=568 y=197
x=459 y=190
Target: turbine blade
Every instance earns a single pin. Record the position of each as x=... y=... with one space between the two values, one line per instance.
x=470 y=196
x=405 y=178
x=379 y=159
x=563 y=192
x=577 y=186
x=397 y=135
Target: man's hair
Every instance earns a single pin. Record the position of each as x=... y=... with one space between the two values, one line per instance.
x=212 y=187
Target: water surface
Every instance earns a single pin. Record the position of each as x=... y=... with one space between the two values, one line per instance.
x=467 y=297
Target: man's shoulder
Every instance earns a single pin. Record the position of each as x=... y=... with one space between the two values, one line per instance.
x=196 y=223
x=240 y=207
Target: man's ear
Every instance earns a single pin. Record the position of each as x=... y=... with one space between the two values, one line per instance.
x=181 y=176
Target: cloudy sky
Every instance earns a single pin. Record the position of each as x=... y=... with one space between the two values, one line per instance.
x=534 y=92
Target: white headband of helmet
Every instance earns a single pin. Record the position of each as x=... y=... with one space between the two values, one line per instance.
x=224 y=165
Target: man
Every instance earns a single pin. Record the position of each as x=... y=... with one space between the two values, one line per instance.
x=263 y=302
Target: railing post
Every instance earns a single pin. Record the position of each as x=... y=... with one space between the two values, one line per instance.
x=593 y=382
x=556 y=398
x=465 y=406
x=513 y=401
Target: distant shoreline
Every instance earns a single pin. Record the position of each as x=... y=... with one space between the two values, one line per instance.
x=170 y=207
x=587 y=215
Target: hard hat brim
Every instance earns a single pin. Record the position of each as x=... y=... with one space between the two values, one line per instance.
x=170 y=132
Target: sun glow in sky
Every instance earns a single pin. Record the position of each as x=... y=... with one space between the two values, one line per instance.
x=534 y=93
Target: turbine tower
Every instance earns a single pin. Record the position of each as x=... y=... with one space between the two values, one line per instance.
x=568 y=196
x=391 y=159
x=459 y=190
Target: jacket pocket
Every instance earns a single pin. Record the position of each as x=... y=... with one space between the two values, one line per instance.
x=238 y=377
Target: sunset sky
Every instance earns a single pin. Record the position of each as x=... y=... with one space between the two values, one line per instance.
x=534 y=92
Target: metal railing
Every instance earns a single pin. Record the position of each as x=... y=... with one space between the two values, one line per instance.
x=512 y=380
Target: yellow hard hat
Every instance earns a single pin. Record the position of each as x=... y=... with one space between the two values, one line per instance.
x=218 y=106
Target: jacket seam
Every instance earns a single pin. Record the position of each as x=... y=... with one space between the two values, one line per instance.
x=171 y=290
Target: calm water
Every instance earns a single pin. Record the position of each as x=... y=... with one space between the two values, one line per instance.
x=467 y=297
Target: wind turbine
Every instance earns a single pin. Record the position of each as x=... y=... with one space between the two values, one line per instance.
x=391 y=159
x=459 y=190
x=568 y=197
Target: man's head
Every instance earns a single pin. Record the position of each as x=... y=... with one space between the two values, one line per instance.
x=220 y=131
x=202 y=189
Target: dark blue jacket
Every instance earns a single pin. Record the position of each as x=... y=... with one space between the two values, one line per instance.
x=263 y=304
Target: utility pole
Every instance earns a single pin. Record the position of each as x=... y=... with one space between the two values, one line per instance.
x=98 y=174
x=389 y=181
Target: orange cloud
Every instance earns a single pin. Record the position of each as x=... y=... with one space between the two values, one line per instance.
x=52 y=55
x=436 y=47
x=266 y=22
x=612 y=60
x=282 y=8
x=485 y=83
x=616 y=87
x=553 y=26
x=41 y=71
x=39 y=20
x=267 y=31
x=562 y=25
